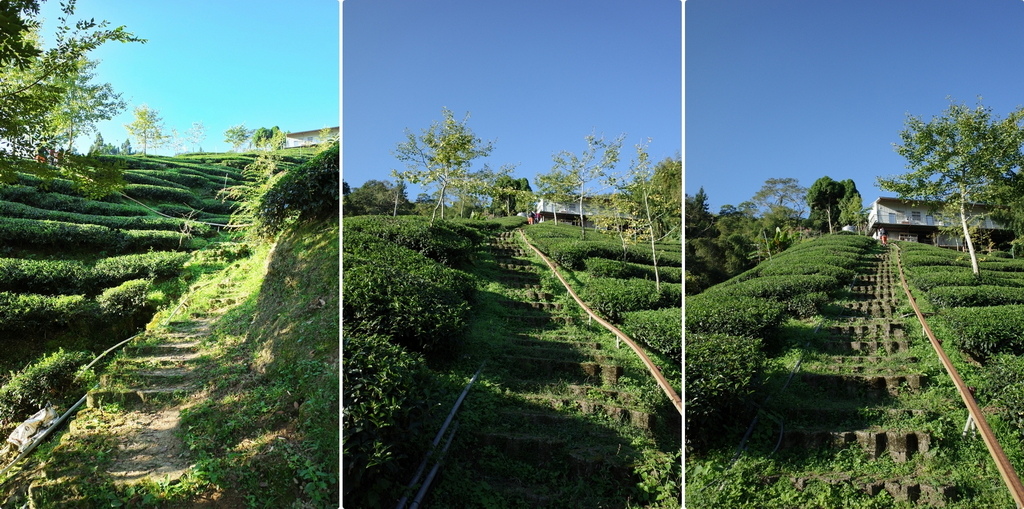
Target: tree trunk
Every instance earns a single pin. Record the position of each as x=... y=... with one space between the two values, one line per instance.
x=654 y=252
x=828 y=215
x=967 y=238
x=583 y=229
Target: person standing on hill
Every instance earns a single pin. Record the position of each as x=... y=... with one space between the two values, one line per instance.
x=884 y=235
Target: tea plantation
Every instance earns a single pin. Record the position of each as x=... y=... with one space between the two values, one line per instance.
x=223 y=322
x=811 y=384
x=559 y=415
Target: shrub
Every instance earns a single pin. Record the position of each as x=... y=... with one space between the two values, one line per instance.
x=779 y=288
x=54 y=378
x=444 y=241
x=385 y=401
x=928 y=277
x=160 y=193
x=659 y=329
x=603 y=267
x=753 y=317
x=126 y=299
x=612 y=297
x=47 y=277
x=60 y=202
x=985 y=331
x=25 y=311
x=841 y=275
x=1003 y=384
x=982 y=295
x=722 y=373
x=366 y=248
x=306 y=193
x=413 y=310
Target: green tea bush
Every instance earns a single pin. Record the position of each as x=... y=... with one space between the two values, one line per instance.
x=1001 y=264
x=19 y=210
x=779 y=288
x=603 y=267
x=309 y=192
x=447 y=242
x=926 y=277
x=841 y=275
x=126 y=299
x=981 y=295
x=413 y=310
x=1003 y=388
x=44 y=233
x=177 y=177
x=60 y=202
x=753 y=317
x=386 y=401
x=919 y=258
x=151 y=179
x=722 y=374
x=611 y=297
x=659 y=329
x=55 y=378
x=985 y=331
x=161 y=193
x=24 y=312
x=46 y=277
x=368 y=249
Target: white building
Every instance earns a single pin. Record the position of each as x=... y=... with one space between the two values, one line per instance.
x=307 y=138
x=916 y=222
x=570 y=212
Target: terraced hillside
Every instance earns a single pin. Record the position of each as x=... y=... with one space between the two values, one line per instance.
x=854 y=410
x=559 y=415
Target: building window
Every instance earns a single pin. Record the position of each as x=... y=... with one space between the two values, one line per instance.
x=892 y=217
x=929 y=220
x=915 y=216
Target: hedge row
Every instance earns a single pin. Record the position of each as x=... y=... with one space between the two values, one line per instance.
x=151 y=179
x=61 y=202
x=59 y=234
x=722 y=374
x=985 y=331
x=1004 y=387
x=56 y=378
x=753 y=317
x=395 y=291
x=603 y=267
x=612 y=297
x=163 y=194
x=981 y=295
x=66 y=277
x=19 y=210
x=447 y=242
x=928 y=277
x=659 y=329
x=177 y=177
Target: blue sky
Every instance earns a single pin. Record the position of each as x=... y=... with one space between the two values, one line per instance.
x=261 y=62
x=536 y=77
x=808 y=88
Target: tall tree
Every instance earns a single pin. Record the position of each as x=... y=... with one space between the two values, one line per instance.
x=195 y=136
x=668 y=177
x=237 y=136
x=588 y=167
x=555 y=186
x=81 y=104
x=781 y=197
x=510 y=195
x=378 y=197
x=30 y=79
x=643 y=196
x=147 y=128
x=699 y=220
x=823 y=198
x=126 y=147
x=958 y=159
x=441 y=155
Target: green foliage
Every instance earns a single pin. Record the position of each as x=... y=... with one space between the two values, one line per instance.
x=981 y=295
x=58 y=201
x=659 y=329
x=18 y=210
x=603 y=267
x=32 y=312
x=722 y=373
x=612 y=297
x=753 y=317
x=386 y=401
x=450 y=243
x=1003 y=388
x=307 y=193
x=985 y=331
x=126 y=299
x=55 y=378
x=364 y=248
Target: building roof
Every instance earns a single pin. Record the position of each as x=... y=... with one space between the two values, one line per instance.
x=298 y=134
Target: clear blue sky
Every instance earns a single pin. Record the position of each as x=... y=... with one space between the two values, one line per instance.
x=810 y=88
x=259 y=62
x=537 y=76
